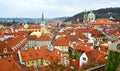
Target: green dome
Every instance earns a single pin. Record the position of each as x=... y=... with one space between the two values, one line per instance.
x=91 y=14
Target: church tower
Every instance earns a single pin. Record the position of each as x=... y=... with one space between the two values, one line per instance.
x=43 y=26
x=42 y=21
x=85 y=17
x=91 y=16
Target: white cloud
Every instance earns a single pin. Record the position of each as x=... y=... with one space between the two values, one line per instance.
x=52 y=8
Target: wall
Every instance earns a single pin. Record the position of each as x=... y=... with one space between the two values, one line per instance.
x=83 y=61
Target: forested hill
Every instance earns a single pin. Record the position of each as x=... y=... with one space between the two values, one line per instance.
x=100 y=13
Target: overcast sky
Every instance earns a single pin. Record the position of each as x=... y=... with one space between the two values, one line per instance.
x=51 y=8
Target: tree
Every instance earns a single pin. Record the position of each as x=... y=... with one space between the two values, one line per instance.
x=113 y=61
x=8 y=23
x=74 y=55
x=56 y=66
x=104 y=39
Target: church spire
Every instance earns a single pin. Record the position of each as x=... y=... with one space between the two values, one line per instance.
x=85 y=17
x=43 y=26
x=42 y=17
x=42 y=20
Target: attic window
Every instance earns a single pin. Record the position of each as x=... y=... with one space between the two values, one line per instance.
x=118 y=46
x=84 y=58
x=5 y=50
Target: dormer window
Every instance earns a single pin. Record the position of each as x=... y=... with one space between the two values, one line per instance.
x=5 y=50
x=84 y=58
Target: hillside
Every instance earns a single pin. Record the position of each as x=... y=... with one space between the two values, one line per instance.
x=60 y=18
x=100 y=13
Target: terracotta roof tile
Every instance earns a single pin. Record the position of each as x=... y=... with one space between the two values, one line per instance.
x=41 y=52
x=44 y=37
x=34 y=27
x=96 y=56
x=61 y=41
x=100 y=21
x=8 y=64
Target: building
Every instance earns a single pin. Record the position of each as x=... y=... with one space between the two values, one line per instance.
x=91 y=16
x=85 y=19
x=39 y=56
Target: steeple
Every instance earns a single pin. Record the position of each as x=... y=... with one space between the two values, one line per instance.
x=43 y=26
x=42 y=20
x=85 y=17
x=42 y=17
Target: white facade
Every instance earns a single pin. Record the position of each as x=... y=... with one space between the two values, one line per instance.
x=83 y=59
x=62 y=48
x=33 y=43
x=65 y=62
x=91 y=39
x=42 y=43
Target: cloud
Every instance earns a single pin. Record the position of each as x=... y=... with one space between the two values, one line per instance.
x=52 y=8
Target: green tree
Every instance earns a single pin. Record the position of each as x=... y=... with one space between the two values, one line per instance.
x=113 y=61
x=74 y=55
x=104 y=39
x=7 y=23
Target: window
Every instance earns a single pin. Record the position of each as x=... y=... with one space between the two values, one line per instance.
x=5 y=50
x=84 y=58
x=28 y=63
x=33 y=62
x=42 y=61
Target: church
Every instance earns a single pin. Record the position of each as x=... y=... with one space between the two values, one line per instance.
x=90 y=17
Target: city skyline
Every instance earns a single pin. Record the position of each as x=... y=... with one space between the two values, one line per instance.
x=51 y=8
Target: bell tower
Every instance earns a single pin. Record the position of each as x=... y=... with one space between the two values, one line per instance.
x=42 y=21
x=85 y=17
x=43 y=26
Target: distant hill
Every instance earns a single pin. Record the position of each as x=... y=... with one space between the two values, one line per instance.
x=32 y=19
x=20 y=19
x=60 y=18
x=100 y=13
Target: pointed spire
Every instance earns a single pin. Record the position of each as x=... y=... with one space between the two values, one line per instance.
x=85 y=17
x=42 y=20
x=42 y=17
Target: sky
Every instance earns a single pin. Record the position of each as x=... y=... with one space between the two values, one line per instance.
x=50 y=8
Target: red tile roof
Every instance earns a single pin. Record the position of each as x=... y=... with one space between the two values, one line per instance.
x=19 y=27
x=12 y=42
x=95 y=55
x=8 y=64
x=41 y=52
x=34 y=27
x=103 y=48
x=100 y=21
x=82 y=46
x=44 y=37
x=27 y=55
x=74 y=62
x=61 y=41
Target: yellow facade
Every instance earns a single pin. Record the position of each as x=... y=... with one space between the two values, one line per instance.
x=37 y=63
x=28 y=63
x=43 y=30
